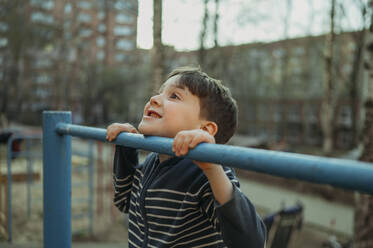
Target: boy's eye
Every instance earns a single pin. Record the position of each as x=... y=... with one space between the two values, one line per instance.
x=174 y=96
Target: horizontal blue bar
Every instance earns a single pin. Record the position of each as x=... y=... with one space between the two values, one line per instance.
x=348 y=174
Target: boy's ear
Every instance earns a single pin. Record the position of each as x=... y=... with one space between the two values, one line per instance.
x=210 y=127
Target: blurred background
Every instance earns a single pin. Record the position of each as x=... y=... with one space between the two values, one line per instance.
x=301 y=71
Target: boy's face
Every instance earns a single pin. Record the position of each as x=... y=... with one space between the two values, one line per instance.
x=174 y=109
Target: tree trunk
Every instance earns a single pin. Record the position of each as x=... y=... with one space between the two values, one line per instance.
x=202 y=37
x=364 y=204
x=216 y=23
x=355 y=78
x=329 y=101
x=285 y=74
x=355 y=86
x=157 y=53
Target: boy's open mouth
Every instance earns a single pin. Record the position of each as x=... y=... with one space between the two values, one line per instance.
x=153 y=114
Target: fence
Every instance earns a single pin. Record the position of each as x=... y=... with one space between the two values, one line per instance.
x=30 y=155
x=57 y=132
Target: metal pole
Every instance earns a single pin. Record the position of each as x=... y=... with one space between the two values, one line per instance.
x=56 y=181
x=341 y=173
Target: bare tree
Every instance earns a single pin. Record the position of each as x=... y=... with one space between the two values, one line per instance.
x=285 y=70
x=363 y=237
x=157 y=52
x=216 y=23
x=353 y=82
x=329 y=101
x=202 y=37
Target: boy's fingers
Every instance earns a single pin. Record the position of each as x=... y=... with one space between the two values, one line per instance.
x=196 y=140
x=177 y=145
x=185 y=145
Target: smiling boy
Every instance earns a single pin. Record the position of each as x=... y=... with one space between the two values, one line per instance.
x=174 y=201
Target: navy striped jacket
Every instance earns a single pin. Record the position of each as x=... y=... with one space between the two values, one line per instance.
x=170 y=204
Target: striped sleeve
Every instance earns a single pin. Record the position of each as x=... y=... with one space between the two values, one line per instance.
x=125 y=162
x=237 y=219
x=208 y=203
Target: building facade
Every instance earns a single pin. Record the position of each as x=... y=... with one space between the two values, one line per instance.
x=82 y=34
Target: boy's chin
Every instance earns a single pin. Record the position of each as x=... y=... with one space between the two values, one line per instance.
x=143 y=129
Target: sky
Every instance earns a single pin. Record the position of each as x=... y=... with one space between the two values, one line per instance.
x=241 y=21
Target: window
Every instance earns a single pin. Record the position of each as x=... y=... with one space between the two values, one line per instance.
x=119 y=57
x=42 y=79
x=82 y=17
x=41 y=17
x=121 y=18
x=85 y=32
x=84 y=4
x=42 y=63
x=66 y=24
x=100 y=55
x=124 y=44
x=42 y=93
x=67 y=35
x=47 y=4
x=3 y=27
x=278 y=53
x=3 y=42
x=34 y=2
x=122 y=30
x=101 y=27
x=101 y=15
x=299 y=51
x=68 y=8
x=100 y=41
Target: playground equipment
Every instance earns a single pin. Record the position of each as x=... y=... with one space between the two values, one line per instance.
x=84 y=167
x=57 y=132
x=28 y=147
x=30 y=176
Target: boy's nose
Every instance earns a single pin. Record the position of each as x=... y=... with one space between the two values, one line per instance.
x=155 y=100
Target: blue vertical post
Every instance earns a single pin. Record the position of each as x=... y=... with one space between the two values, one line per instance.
x=56 y=181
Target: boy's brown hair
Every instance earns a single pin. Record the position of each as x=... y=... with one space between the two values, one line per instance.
x=216 y=101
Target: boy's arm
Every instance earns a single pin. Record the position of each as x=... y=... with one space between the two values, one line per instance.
x=229 y=209
x=220 y=184
x=125 y=161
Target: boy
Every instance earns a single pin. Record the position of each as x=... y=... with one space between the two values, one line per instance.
x=174 y=201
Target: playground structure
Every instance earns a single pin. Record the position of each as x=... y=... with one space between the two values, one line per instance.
x=22 y=172
x=57 y=132
x=6 y=180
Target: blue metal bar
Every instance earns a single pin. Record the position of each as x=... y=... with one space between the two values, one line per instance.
x=346 y=174
x=56 y=181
